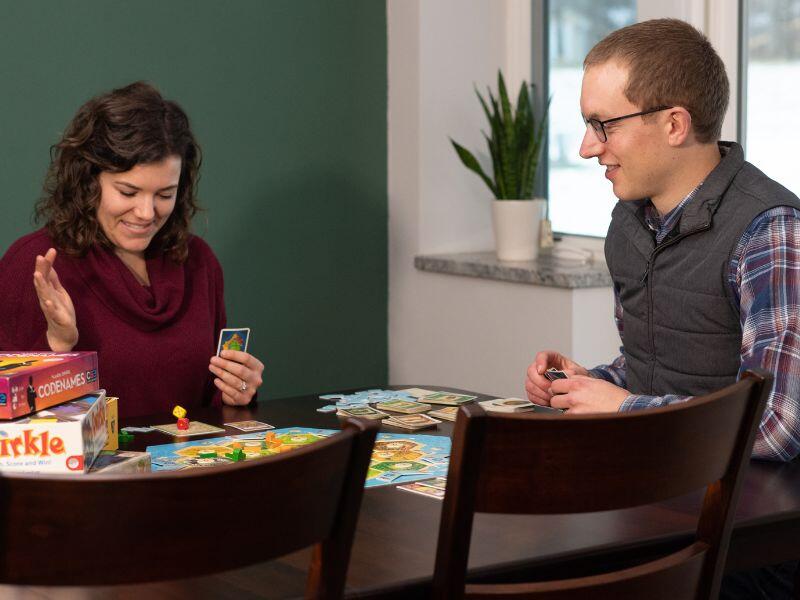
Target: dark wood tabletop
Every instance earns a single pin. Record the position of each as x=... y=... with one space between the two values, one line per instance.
x=394 y=548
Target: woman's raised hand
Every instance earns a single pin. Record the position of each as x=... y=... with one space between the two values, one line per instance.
x=56 y=305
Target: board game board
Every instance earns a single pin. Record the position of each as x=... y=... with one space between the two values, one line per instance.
x=396 y=458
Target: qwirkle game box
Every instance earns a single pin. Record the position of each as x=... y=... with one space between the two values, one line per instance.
x=62 y=439
x=32 y=381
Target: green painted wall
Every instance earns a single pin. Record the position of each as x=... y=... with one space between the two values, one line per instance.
x=288 y=101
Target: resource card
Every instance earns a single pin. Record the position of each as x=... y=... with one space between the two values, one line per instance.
x=233 y=339
x=416 y=392
x=448 y=413
x=447 y=398
x=412 y=422
x=403 y=406
x=364 y=412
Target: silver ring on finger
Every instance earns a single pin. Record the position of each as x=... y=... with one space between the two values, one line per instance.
x=244 y=386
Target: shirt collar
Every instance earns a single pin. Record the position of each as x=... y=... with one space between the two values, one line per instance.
x=663 y=225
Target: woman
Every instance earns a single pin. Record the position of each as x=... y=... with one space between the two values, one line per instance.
x=115 y=268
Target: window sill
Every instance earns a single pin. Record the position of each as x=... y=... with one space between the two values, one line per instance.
x=547 y=270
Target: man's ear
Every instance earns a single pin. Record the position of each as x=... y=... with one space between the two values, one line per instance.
x=678 y=126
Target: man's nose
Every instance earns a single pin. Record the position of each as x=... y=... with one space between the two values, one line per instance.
x=591 y=146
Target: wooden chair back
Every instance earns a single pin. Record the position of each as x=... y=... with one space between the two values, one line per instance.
x=113 y=529
x=534 y=463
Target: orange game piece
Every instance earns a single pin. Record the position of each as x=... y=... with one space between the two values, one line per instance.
x=183 y=424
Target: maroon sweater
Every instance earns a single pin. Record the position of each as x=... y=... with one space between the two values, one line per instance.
x=153 y=343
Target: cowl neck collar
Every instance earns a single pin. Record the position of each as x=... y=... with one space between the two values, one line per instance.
x=146 y=308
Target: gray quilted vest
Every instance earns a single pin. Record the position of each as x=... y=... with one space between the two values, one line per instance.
x=681 y=326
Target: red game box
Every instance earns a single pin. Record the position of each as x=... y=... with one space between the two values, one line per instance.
x=32 y=381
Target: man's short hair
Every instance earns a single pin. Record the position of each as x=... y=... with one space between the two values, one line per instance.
x=670 y=63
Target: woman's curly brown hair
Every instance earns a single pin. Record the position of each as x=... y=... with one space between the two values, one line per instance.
x=114 y=132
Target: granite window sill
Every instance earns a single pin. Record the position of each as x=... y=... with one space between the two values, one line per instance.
x=547 y=270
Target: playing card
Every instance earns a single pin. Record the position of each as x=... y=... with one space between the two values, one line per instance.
x=412 y=422
x=552 y=374
x=233 y=339
x=447 y=398
x=435 y=482
x=403 y=406
x=250 y=425
x=507 y=405
x=448 y=413
x=195 y=428
x=419 y=487
x=364 y=412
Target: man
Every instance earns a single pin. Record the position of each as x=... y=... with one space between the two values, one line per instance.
x=703 y=248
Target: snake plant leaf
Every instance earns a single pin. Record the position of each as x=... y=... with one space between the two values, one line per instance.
x=524 y=136
x=483 y=104
x=493 y=152
x=472 y=164
x=508 y=144
x=533 y=154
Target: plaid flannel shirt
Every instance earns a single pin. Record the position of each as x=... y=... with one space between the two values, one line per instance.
x=764 y=276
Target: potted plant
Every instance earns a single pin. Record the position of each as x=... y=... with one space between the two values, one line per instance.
x=515 y=147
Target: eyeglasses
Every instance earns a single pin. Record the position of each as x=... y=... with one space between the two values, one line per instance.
x=600 y=126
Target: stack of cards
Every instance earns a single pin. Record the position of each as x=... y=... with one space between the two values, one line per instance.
x=507 y=405
x=433 y=487
x=448 y=413
x=363 y=412
x=416 y=392
x=403 y=406
x=412 y=422
x=447 y=398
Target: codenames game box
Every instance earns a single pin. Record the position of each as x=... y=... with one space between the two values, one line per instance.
x=32 y=381
x=62 y=439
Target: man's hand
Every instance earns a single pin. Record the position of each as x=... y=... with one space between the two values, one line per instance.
x=537 y=386
x=581 y=394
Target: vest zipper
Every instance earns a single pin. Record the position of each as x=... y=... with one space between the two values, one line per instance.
x=647 y=279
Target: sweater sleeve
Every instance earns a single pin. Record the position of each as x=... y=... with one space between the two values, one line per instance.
x=23 y=326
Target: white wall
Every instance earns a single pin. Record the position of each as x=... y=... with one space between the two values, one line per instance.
x=443 y=329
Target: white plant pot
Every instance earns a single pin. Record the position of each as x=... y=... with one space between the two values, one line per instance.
x=516 y=228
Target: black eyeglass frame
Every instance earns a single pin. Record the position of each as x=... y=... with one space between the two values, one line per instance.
x=600 y=126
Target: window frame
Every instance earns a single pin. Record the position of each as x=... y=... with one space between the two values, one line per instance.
x=722 y=21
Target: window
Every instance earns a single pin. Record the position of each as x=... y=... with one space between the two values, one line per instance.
x=580 y=198
x=771 y=60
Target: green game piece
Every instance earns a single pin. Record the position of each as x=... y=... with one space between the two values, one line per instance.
x=210 y=454
x=125 y=437
x=237 y=455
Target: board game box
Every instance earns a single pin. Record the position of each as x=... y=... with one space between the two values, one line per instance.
x=121 y=461
x=61 y=439
x=112 y=424
x=396 y=457
x=31 y=381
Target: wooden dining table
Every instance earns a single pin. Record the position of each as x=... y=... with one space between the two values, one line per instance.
x=395 y=542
